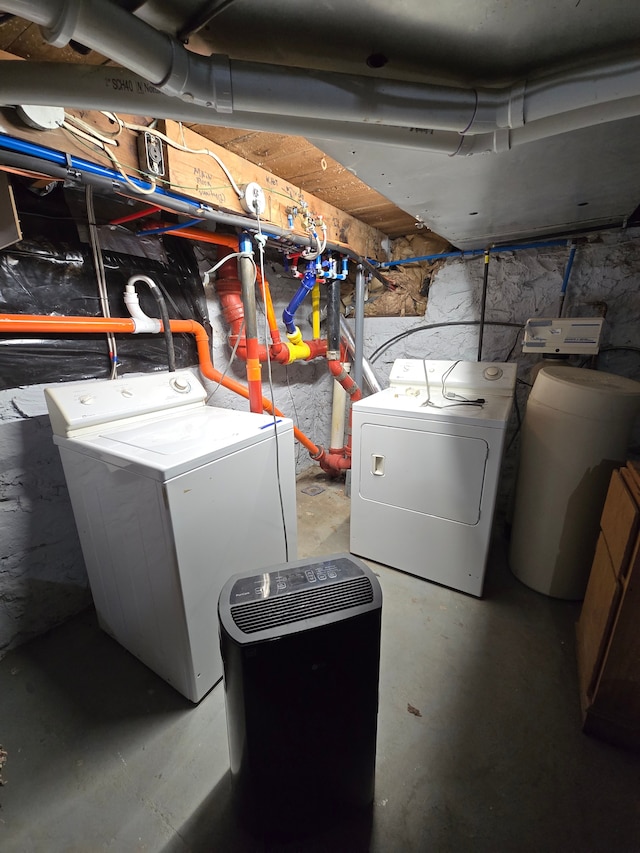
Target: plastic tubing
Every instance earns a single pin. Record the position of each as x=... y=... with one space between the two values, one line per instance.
x=26 y=323
x=483 y=303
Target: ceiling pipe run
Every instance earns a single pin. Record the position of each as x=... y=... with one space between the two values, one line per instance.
x=99 y=87
x=229 y=87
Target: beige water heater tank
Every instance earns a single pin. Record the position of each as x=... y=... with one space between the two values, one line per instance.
x=575 y=432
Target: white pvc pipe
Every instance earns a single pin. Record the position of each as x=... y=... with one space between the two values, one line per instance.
x=100 y=87
x=141 y=321
x=119 y=90
x=338 y=414
x=271 y=90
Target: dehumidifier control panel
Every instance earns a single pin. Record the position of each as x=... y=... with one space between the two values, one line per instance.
x=293 y=578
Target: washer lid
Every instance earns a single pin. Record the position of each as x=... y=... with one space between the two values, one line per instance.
x=89 y=406
x=494 y=412
x=176 y=443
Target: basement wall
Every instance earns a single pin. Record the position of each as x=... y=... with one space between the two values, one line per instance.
x=42 y=576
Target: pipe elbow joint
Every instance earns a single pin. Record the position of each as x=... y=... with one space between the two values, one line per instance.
x=198 y=80
x=141 y=322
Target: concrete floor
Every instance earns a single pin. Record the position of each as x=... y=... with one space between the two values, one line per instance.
x=104 y=756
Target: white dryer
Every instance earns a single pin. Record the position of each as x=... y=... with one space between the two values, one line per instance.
x=427 y=453
x=171 y=497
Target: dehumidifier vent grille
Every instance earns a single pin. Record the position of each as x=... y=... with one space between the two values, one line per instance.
x=283 y=610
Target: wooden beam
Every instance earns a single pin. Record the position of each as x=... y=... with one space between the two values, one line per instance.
x=200 y=177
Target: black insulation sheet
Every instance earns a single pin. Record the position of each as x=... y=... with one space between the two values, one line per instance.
x=51 y=272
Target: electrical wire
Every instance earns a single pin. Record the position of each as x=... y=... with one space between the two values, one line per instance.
x=622 y=347
x=461 y=401
x=216 y=266
x=101 y=279
x=515 y=344
x=76 y=125
x=230 y=362
x=103 y=144
x=518 y=418
x=293 y=406
x=394 y=340
x=136 y=187
x=91 y=129
x=142 y=129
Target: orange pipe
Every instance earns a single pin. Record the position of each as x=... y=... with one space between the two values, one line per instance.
x=204 y=236
x=279 y=352
x=57 y=325
x=265 y=290
x=229 y=288
x=26 y=323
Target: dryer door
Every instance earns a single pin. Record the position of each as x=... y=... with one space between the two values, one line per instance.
x=422 y=471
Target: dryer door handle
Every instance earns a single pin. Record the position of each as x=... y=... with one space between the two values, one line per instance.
x=377 y=465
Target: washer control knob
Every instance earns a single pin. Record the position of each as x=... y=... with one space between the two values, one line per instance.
x=87 y=399
x=492 y=373
x=180 y=384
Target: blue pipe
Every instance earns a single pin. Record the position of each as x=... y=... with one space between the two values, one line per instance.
x=178 y=226
x=306 y=285
x=516 y=247
x=567 y=272
x=245 y=245
x=565 y=280
x=67 y=162
x=34 y=150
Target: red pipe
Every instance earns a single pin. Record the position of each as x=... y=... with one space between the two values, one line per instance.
x=148 y=211
x=229 y=291
x=26 y=323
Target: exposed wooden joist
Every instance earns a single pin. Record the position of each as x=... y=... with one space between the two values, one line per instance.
x=295 y=159
x=201 y=177
x=292 y=158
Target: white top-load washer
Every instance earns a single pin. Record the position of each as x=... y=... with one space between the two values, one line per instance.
x=426 y=461
x=171 y=497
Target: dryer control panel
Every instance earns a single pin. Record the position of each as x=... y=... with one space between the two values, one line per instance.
x=480 y=378
x=78 y=407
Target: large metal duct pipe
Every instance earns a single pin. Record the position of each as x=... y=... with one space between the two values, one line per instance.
x=233 y=87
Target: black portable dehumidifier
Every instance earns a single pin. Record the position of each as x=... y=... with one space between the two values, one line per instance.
x=301 y=654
